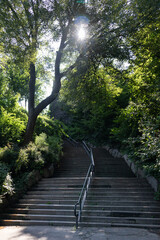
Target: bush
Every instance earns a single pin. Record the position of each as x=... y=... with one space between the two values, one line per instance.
x=8 y=156
x=50 y=147
x=36 y=160
x=49 y=126
x=147 y=151
x=11 y=127
x=18 y=163
x=29 y=158
x=127 y=123
x=41 y=142
x=36 y=155
x=23 y=161
x=7 y=187
x=55 y=148
x=4 y=169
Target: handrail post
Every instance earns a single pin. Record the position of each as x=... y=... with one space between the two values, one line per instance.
x=77 y=221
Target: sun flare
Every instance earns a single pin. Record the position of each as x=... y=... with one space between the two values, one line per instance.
x=81 y=33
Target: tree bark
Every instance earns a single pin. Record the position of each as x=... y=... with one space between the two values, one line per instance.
x=33 y=111
x=30 y=128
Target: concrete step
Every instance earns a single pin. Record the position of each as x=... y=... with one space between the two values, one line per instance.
x=126 y=190
x=51 y=197
x=142 y=208
x=62 y=179
x=58 y=189
x=124 y=213
x=96 y=182
x=128 y=220
x=121 y=194
x=91 y=193
x=123 y=203
x=55 y=192
x=14 y=222
x=47 y=201
x=118 y=198
x=120 y=181
x=62 y=211
x=131 y=225
x=38 y=217
x=44 y=206
x=95 y=185
x=61 y=185
x=97 y=198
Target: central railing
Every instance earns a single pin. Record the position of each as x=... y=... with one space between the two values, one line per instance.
x=83 y=194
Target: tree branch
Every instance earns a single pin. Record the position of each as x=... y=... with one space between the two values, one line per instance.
x=28 y=15
x=16 y=16
x=43 y=104
x=71 y=67
x=32 y=88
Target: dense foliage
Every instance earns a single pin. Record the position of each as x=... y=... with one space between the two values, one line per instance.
x=91 y=103
x=17 y=163
x=116 y=101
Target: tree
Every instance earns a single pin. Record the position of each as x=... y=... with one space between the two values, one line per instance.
x=24 y=22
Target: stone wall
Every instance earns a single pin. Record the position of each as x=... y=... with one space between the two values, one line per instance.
x=136 y=170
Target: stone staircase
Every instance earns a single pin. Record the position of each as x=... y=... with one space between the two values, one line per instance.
x=52 y=201
x=116 y=197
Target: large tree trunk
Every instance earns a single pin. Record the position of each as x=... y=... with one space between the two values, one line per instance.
x=30 y=128
x=33 y=111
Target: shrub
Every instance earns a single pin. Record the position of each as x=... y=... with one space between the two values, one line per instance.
x=50 y=147
x=41 y=142
x=21 y=182
x=49 y=126
x=145 y=148
x=8 y=156
x=7 y=187
x=29 y=158
x=55 y=148
x=36 y=160
x=11 y=127
x=148 y=152
x=36 y=155
x=127 y=123
x=23 y=161
x=19 y=163
x=4 y=169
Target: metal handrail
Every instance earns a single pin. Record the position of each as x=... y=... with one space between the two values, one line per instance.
x=86 y=184
x=72 y=141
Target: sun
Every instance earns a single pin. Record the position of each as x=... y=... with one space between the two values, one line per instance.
x=81 y=33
